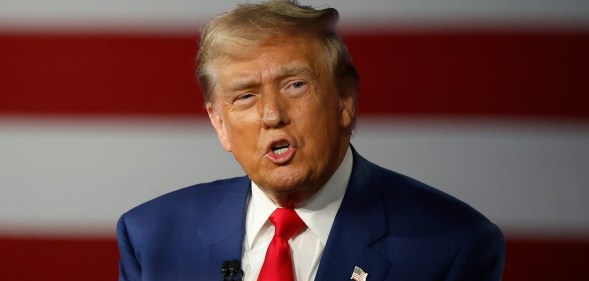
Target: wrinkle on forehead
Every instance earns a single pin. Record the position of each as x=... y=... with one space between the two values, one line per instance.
x=272 y=57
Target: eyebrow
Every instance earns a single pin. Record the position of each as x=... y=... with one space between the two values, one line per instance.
x=242 y=84
x=288 y=71
x=283 y=72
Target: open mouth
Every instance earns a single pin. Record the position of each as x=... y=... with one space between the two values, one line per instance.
x=281 y=152
x=280 y=148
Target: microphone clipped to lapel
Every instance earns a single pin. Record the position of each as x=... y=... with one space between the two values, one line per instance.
x=231 y=270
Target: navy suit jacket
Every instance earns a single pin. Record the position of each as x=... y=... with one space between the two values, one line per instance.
x=391 y=226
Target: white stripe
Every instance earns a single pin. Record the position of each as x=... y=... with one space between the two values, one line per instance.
x=78 y=176
x=185 y=16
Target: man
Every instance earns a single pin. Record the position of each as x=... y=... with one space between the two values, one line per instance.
x=281 y=91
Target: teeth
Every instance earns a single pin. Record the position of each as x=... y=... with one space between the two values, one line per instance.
x=280 y=150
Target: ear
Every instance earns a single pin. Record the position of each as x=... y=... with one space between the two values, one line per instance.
x=219 y=125
x=347 y=111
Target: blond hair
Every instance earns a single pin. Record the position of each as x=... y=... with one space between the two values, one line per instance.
x=249 y=25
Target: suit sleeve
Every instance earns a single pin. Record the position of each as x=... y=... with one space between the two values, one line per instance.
x=129 y=266
x=481 y=257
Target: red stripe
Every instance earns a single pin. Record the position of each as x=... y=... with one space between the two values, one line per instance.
x=517 y=74
x=50 y=259
x=546 y=260
x=65 y=74
x=490 y=73
x=58 y=259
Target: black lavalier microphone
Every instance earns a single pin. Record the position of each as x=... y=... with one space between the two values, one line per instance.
x=231 y=270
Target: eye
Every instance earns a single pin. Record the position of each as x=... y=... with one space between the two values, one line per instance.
x=297 y=87
x=298 y=84
x=245 y=96
x=244 y=100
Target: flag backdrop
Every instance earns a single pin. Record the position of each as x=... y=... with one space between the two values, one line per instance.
x=99 y=111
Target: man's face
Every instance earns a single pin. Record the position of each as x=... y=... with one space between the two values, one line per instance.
x=278 y=111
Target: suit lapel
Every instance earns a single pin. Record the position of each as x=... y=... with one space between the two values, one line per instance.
x=223 y=233
x=360 y=222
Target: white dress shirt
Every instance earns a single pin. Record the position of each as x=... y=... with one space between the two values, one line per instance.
x=318 y=213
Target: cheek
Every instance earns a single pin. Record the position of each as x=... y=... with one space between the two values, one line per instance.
x=315 y=122
x=243 y=129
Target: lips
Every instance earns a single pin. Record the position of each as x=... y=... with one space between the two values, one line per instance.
x=280 y=151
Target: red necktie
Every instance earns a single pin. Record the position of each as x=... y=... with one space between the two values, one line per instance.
x=278 y=263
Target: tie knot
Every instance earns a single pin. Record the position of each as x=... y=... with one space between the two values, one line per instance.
x=287 y=223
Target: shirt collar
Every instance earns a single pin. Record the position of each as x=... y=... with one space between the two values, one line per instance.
x=318 y=212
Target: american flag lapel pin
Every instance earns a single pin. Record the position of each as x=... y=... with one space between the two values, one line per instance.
x=359 y=274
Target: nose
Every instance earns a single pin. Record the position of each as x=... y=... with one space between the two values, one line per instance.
x=274 y=110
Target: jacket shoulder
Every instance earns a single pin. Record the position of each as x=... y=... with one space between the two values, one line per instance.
x=462 y=244
x=429 y=209
x=197 y=200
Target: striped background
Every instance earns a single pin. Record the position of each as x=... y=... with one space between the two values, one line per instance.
x=99 y=111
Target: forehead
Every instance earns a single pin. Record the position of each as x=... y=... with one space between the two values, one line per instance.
x=277 y=55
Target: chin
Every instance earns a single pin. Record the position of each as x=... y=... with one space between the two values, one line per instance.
x=285 y=184
x=286 y=179
x=289 y=194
